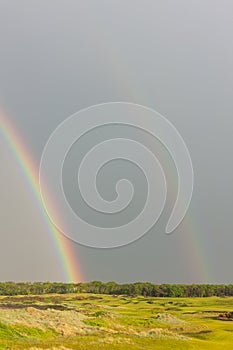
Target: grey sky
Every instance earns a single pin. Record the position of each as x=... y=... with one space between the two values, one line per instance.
x=174 y=56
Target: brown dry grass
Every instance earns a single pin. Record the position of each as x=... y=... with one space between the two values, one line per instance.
x=65 y=323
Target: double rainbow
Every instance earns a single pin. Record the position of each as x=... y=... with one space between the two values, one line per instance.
x=65 y=252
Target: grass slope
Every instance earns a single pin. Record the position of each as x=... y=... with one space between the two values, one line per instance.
x=85 y=321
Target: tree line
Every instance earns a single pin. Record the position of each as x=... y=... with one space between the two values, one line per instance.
x=131 y=289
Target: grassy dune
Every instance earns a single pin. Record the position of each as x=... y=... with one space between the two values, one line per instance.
x=85 y=321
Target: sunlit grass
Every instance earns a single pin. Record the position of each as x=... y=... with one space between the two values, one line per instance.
x=85 y=321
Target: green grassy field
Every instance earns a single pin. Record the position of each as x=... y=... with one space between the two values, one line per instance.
x=86 y=321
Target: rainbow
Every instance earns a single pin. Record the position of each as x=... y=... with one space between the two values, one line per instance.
x=192 y=248
x=29 y=170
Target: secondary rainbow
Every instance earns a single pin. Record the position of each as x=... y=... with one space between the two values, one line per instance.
x=65 y=253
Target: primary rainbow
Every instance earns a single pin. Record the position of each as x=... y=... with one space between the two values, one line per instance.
x=69 y=264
